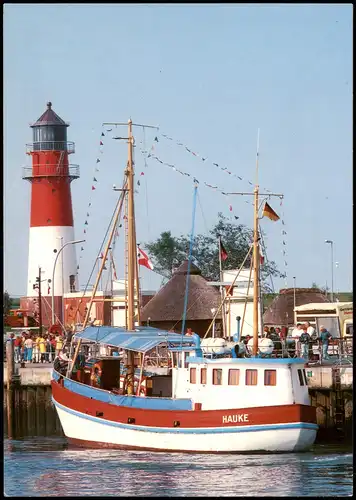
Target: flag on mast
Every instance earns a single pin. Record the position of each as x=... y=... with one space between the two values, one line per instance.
x=143 y=259
x=269 y=212
x=223 y=252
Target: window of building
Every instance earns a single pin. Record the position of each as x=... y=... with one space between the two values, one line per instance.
x=305 y=377
x=300 y=375
x=270 y=377
x=234 y=377
x=251 y=377
x=203 y=376
x=193 y=375
x=217 y=376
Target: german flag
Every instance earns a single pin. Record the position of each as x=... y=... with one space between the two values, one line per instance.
x=269 y=212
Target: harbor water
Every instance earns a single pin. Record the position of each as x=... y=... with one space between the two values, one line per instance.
x=38 y=462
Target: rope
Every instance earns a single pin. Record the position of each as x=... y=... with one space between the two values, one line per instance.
x=228 y=292
x=189 y=260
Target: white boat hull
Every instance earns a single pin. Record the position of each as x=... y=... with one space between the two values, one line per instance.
x=87 y=430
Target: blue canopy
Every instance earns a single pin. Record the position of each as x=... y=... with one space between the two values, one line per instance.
x=143 y=339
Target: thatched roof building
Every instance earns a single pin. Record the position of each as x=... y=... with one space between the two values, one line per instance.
x=165 y=309
x=281 y=311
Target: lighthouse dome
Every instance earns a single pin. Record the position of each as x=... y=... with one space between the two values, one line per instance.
x=49 y=131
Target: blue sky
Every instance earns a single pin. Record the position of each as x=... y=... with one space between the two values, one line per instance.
x=209 y=76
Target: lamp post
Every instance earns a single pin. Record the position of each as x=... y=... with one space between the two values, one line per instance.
x=337 y=288
x=332 y=268
x=74 y=242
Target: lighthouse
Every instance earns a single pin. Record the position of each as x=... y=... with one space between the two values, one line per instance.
x=51 y=215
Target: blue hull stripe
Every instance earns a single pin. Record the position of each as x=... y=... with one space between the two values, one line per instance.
x=179 y=430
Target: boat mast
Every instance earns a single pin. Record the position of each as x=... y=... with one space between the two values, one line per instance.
x=132 y=255
x=255 y=259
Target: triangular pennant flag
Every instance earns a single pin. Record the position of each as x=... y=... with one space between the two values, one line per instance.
x=142 y=173
x=85 y=231
x=93 y=188
x=87 y=214
x=101 y=143
x=94 y=180
x=78 y=266
x=269 y=212
x=81 y=249
x=86 y=222
x=230 y=208
x=143 y=259
x=102 y=134
x=89 y=204
x=138 y=183
x=98 y=161
x=156 y=139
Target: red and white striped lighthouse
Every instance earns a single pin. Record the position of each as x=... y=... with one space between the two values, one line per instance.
x=51 y=220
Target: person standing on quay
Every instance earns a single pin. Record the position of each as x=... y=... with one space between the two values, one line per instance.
x=29 y=349
x=59 y=344
x=304 y=340
x=42 y=347
x=17 y=348
x=325 y=337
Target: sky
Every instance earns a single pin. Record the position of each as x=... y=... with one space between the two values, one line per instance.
x=209 y=76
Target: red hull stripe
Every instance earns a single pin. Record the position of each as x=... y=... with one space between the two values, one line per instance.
x=195 y=430
x=286 y=414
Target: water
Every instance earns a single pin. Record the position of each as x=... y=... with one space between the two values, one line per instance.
x=38 y=462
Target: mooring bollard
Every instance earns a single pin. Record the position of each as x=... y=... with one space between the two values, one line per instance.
x=10 y=363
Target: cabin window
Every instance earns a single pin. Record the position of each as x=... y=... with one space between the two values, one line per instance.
x=300 y=375
x=234 y=377
x=203 y=376
x=305 y=377
x=270 y=377
x=193 y=375
x=251 y=377
x=217 y=376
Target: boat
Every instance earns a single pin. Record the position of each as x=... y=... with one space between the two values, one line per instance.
x=157 y=390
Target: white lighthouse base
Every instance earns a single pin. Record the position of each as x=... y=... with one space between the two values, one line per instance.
x=43 y=242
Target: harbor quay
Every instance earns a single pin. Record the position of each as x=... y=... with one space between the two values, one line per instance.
x=330 y=390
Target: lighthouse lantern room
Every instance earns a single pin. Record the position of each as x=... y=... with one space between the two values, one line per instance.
x=51 y=219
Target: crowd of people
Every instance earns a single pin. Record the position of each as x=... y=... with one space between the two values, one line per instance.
x=304 y=335
x=36 y=348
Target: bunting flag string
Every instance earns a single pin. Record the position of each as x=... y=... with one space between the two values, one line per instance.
x=217 y=165
x=93 y=188
x=211 y=186
x=284 y=244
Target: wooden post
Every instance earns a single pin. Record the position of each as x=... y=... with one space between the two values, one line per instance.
x=10 y=363
x=39 y=301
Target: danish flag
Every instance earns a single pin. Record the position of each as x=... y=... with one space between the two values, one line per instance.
x=143 y=259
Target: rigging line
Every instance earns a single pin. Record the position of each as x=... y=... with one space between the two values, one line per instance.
x=265 y=253
x=202 y=212
x=189 y=260
x=101 y=247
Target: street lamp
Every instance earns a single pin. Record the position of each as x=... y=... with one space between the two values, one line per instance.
x=54 y=269
x=332 y=268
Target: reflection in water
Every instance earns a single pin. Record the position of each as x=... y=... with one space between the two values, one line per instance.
x=46 y=467
x=38 y=462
